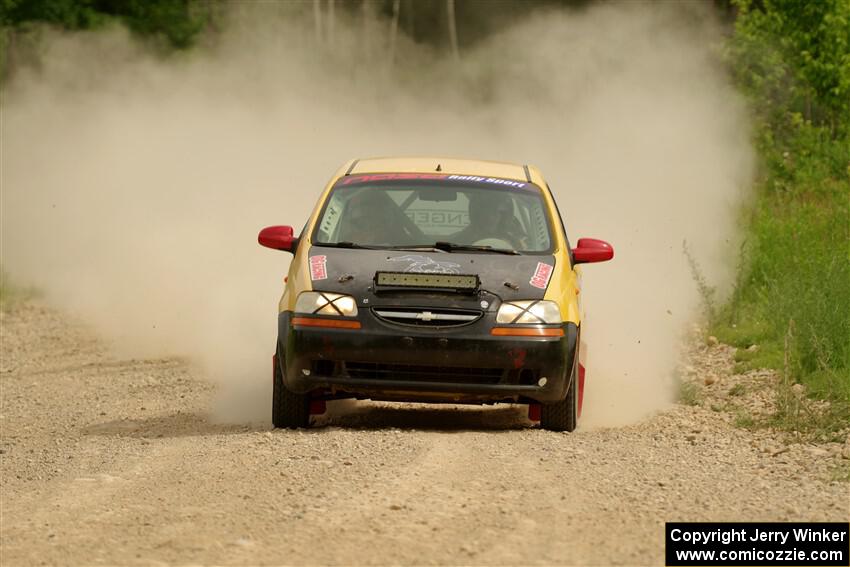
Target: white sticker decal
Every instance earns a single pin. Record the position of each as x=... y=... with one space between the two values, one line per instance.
x=426 y=265
x=494 y=180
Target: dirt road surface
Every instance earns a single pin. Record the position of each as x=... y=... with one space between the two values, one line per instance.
x=108 y=461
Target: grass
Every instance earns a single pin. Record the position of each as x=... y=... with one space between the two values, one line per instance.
x=7 y=292
x=706 y=291
x=841 y=473
x=817 y=416
x=737 y=390
x=11 y=293
x=792 y=296
x=745 y=420
x=769 y=355
x=688 y=393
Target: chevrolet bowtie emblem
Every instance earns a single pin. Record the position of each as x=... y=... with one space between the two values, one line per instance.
x=425 y=316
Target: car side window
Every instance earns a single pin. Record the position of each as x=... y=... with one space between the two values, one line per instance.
x=330 y=222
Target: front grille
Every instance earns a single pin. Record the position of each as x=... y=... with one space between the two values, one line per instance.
x=424 y=373
x=424 y=317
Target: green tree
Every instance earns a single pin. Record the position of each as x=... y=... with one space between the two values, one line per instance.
x=796 y=54
x=177 y=21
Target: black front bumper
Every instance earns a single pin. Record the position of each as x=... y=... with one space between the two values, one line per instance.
x=387 y=362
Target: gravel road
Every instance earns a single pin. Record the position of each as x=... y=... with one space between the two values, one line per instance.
x=108 y=461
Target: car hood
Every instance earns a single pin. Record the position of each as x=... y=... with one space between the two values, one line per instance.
x=503 y=277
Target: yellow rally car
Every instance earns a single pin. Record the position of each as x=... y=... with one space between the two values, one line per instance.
x=432 y=280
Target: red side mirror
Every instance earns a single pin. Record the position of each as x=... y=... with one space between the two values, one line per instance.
x=277 y=237
x=592 y=250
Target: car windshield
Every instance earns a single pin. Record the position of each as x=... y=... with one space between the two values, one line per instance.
x=449 y=212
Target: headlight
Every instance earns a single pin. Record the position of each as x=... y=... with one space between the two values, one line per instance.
x=324 y=303
x=529 y=311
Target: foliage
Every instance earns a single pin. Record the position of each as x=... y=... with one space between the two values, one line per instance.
x=10 y=294
x=706 y=292
x=792 y=58
x=178 y=21
x=688 y=392
x=794 y=55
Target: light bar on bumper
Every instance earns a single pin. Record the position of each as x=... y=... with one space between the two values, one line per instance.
x=412 y=279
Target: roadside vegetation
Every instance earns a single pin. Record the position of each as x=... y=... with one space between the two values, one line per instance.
x=792 y=296
x=176 y=22
x=11 y=293
x=7 y=292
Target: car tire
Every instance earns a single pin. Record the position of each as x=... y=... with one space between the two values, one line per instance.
x=288 y=408
x=563 y=415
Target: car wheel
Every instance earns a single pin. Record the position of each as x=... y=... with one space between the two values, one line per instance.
x=288 y=408
x=563 y=415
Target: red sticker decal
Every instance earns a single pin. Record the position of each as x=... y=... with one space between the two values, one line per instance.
x=541 y=276
x=318 y=269
x=348 y=180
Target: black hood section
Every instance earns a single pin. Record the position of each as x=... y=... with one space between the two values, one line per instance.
x=503 y=277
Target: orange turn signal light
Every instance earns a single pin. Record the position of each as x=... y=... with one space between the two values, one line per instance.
x=327 y=323
x=526 y=332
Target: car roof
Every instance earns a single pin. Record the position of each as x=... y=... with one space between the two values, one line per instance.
x=424 y=164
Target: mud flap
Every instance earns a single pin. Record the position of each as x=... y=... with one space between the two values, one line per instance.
x=318 y=407
x=582 y=360
x=580 y=387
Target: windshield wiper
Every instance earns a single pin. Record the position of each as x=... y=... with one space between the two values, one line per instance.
x=438 y=247
x=452 y=247
x=348 y=244
x=417 y=247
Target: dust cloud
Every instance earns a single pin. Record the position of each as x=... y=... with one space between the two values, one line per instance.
x=133 y=185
